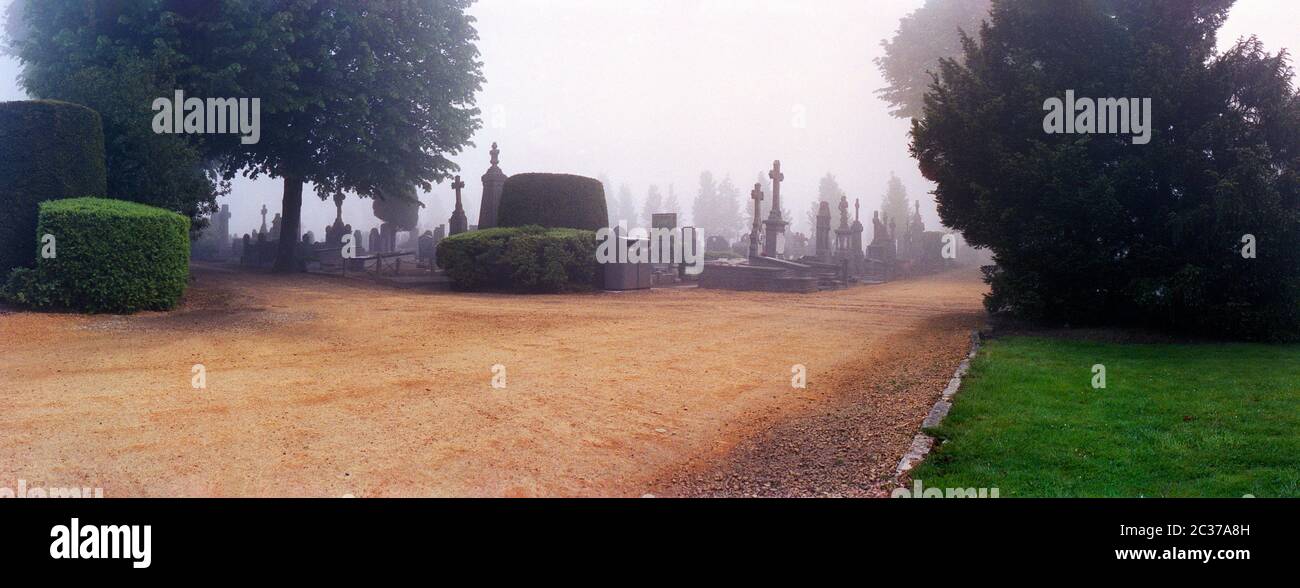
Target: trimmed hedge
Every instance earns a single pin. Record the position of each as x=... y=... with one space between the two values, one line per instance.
x=520 y=259
x=110 y=256
x=553 y=201
x=48 y=150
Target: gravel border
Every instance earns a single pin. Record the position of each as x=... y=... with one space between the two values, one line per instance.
x=923 y=443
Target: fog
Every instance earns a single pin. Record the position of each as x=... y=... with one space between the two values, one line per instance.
x=656 y=91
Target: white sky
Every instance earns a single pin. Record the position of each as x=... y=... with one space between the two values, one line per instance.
x=656 y=91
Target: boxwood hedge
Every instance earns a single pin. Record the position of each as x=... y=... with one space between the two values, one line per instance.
x=109 y=256
x=554 y=201
x=48 y=150
x=520 y=259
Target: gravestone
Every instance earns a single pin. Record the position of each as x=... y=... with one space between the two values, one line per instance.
x=459 y=223
x=824 y=232
x=425 y=248
x=494 y=181
x=373 y=243
x=757 y=195
x=775 y=225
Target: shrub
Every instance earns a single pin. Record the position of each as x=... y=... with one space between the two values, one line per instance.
x=1128 y=229
x=110 y=256
x=554 y=201
x=48 y=150
x=521 y=259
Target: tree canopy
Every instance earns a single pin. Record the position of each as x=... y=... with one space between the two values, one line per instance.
x=1197 y=230
x=365 y=97
x=925 y=36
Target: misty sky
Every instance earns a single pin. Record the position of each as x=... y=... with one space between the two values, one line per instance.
x=656 y=91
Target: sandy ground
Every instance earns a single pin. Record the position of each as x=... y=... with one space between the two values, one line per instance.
x=318 y=386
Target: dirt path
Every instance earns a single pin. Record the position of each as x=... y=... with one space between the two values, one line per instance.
x=321 y=387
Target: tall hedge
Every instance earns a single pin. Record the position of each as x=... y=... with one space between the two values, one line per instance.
x=48 y=150
x=109 y=256
x=553 y=201
x=520 y=259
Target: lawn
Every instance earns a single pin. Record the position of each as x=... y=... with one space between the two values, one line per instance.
x=1205 y=420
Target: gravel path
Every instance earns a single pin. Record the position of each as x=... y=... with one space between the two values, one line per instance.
x=318 y=386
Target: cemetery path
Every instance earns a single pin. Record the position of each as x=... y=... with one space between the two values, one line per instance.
x=319 y=386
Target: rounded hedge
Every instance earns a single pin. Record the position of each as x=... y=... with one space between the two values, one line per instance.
x=109 y=256
x=553 y=201
x=48 y=150
x=520 y=259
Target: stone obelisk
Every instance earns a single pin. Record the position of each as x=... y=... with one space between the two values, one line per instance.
x=775 y=224
x=494 y=181
x=757 y=195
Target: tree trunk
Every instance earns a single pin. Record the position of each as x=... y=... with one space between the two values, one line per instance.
x=286 y=261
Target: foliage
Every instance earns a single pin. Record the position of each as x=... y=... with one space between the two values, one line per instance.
x=1175 y=420
x=654 y=202
x=716 y=209
x=1093 y=229
x=116 y=59
x=828 y=190
x=520 y=259
x=626 y=206
x=48 y=150
x=109 y=256
x=925 y=36
x=364 y=97
x=894 y=205
x=554 y=201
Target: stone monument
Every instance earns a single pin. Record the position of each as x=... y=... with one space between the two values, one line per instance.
x=459 y=224
x=757 y=195
x=774 y=224
x=824 y=232
x=494 y=181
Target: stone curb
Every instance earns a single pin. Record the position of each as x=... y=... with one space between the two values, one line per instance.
x=922 y=443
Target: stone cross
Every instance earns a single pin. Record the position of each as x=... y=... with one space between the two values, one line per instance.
x=757 y=195
x=777 y=178
x=263 y=218
x=457 y=185
x=459 y=224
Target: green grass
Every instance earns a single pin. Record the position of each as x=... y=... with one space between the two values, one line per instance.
x=1206 y=420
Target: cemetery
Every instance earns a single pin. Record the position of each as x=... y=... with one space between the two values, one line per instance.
x=535 y=334
x=210 y=301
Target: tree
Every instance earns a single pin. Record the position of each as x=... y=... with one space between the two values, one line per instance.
x=828 y=190
x=703 y=210
x=717 y=206
x=116 y=59
x=626 y=205
x=894 y=204
x=364 y=97
x=670 y=203
x=653 y=204
x=924 y=36
x=727 y=218
x=361 y=97
x=1196 y=230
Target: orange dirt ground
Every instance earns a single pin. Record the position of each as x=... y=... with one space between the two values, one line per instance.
x=320 y=386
